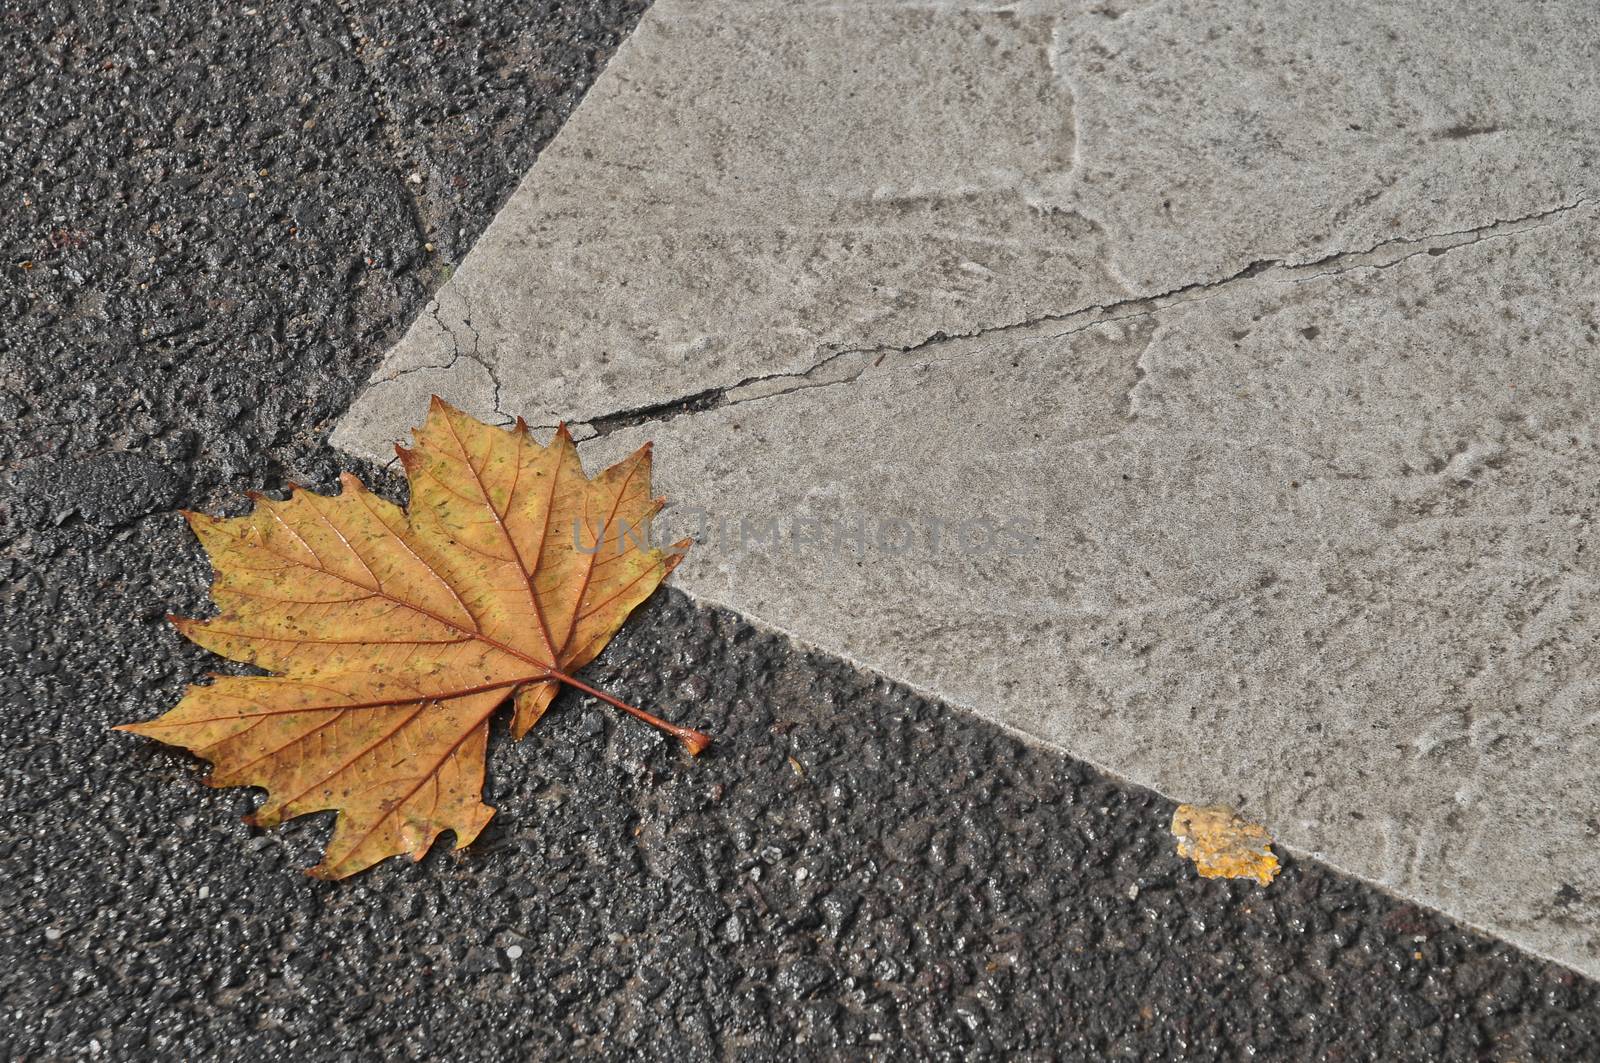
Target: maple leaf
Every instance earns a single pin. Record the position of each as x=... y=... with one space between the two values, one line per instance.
x=1223 y=844
x=393 y=635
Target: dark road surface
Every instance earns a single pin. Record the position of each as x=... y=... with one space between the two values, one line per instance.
x=214 y=218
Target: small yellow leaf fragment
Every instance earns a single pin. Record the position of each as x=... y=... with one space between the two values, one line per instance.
x=1224 y=845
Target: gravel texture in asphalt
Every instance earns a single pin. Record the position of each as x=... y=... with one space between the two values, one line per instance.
x=211 y=228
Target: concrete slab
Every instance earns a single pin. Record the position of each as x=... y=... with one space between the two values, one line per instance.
x=1286 y=436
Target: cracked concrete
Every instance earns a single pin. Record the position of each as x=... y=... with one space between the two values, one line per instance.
x=845 y=367
x=1261 y=336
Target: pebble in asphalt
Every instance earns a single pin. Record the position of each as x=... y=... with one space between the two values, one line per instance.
x=201 y=269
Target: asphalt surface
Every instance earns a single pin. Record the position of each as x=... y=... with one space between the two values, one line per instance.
x=211 y=231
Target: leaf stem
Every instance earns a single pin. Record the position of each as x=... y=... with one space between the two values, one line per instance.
x=694 y=741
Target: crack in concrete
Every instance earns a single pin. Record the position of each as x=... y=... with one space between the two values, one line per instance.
x=1441 y=243
x=1378 y=258
x=455 y=341
x=729 y=395
x=850 y=365
x=477 y=347
x=456 y=353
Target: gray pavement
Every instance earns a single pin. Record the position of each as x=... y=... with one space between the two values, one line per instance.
x=1265 y=334
x=212 y=231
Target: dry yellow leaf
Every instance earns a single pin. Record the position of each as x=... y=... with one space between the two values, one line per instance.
x=393 y=635
x=1224 y=845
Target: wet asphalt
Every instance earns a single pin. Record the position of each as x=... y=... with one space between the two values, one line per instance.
x=214 y=221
